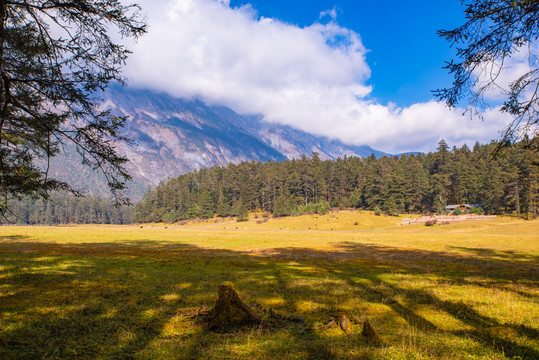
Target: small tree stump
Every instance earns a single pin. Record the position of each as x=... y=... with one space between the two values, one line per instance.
x=370 y=332
x=229 y=310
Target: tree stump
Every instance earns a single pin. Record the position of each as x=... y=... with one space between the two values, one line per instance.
x=341 y=317
x=229 y=310
x=370 y=332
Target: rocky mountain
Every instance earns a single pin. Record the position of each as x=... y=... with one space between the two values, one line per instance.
x=175 y=136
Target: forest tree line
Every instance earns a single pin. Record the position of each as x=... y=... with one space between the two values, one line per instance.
x=62 y=208
x=411 y=183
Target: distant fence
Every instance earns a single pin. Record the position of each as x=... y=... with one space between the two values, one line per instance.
x=446 y=218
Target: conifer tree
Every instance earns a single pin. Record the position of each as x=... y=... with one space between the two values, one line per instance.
x=54 y=57
x=241 y=212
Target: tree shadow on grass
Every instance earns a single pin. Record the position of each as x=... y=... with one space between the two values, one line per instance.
x=446 y=263
x=498 y=254
x=53 y=308
x=481 y=325
x=447 y=266
x=121 y=300
x=9 y=238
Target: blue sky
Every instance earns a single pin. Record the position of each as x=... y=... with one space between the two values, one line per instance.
x=362 y=73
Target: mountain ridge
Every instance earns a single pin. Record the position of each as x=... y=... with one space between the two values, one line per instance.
x=174 y=136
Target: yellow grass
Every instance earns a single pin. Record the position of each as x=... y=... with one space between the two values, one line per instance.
x=468 y=290
x=313 y=231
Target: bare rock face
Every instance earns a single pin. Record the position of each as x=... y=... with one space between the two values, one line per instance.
x=172 y=136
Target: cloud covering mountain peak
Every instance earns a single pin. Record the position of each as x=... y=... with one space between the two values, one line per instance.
x=313 y=78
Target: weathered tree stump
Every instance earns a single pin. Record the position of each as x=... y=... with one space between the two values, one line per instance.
x=341 y=317
x=229 y=310
x=370 y=332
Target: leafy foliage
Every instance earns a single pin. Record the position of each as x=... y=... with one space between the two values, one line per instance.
x=241 y=211
x=478 y=210
x=54 y=56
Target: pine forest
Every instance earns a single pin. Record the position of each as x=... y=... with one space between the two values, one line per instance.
x=409 y=183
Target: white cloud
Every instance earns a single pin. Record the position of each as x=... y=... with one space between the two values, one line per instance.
x=332 y=13
x=497 y=76
x=311 y=78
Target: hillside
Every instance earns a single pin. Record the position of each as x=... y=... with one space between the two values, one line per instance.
x=175 y=136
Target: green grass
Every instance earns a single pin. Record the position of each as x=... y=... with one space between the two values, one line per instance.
x=462 y=291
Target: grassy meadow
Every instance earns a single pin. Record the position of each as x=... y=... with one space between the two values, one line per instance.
x=467 y=290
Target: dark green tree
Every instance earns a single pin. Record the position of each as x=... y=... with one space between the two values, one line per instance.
x=64 y=208
x=223 y=208
x=206 y=204
x=441 y=176
x=241 y=212
x=55 y=55
x=282 y=206
x=376 y=181
x=416 y=184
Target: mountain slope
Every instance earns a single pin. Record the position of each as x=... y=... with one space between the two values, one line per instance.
x=175 y=136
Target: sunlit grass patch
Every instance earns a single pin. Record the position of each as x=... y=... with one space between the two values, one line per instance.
x=441 y=319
